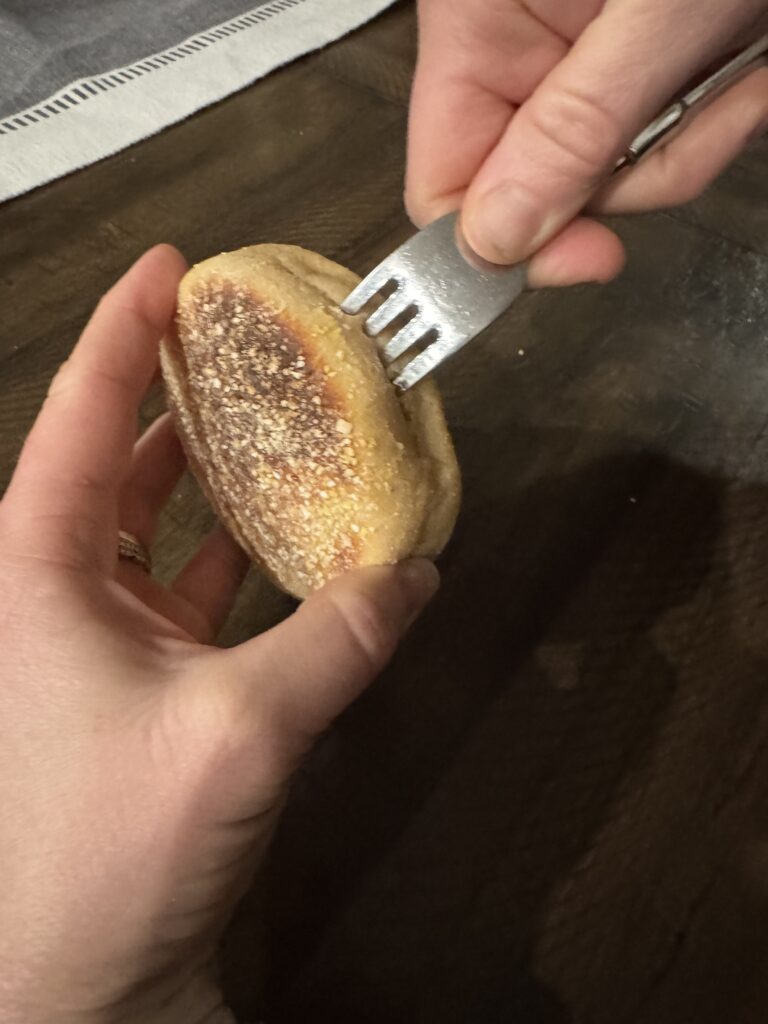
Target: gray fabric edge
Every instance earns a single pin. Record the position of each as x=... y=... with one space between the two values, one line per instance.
x=52 y=44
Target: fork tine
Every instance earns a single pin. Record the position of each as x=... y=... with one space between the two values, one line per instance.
x=404 y=339
x=427 y=360
x=451 y=299
x=391 y=308
x=365 y=291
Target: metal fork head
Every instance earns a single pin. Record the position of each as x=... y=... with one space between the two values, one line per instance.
x=448 y=299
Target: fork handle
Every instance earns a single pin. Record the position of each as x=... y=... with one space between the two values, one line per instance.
x=676 y=117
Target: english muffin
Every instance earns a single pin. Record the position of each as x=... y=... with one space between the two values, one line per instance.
x=308 y=454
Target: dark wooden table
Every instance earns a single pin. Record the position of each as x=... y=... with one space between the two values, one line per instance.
x=554 y=806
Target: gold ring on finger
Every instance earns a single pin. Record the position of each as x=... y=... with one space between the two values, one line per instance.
x=131 y=549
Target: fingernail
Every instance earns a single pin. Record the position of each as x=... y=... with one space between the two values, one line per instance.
x=503 y=227
x=420 y=580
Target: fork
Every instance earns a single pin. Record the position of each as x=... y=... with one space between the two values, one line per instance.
x=444 y=295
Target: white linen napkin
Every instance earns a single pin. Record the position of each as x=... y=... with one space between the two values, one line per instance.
x=110 y=107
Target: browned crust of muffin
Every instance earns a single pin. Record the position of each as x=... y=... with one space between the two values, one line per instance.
x=296 y=435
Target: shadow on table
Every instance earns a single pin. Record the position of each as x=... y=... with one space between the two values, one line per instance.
x=431 y=828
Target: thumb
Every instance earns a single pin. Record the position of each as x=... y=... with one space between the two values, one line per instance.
x=316 y=662
x=564 y=140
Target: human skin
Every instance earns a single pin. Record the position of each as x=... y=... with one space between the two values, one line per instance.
x=521 y=108
x=142 y=769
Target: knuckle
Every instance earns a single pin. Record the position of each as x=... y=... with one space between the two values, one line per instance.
x=580 y=129
x=222 y=725
x=368 y=635
x=94 y=488
x=74 y=375
x=80 y=496
x=106 y=380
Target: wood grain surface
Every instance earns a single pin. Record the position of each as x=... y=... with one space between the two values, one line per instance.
x=553 y=807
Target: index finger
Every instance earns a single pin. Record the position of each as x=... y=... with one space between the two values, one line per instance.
x=563 y=142
x=476 y=65
x=62 y=501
